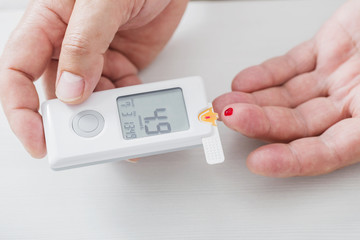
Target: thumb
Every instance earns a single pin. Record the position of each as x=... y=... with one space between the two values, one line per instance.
x=92 y=27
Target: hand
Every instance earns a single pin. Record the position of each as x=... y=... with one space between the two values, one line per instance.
x=78 y=46
x=309 y=99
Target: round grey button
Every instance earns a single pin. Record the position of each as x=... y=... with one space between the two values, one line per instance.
x=88 y=123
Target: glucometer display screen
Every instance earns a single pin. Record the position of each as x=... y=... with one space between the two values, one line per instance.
x=152 y=113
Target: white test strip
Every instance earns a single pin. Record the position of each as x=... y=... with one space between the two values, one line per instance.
x=214 y=152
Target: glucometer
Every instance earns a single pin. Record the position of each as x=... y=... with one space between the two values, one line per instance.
x=131 y=122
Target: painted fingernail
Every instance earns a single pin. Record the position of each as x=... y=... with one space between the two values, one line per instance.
x=70 y=87
x=229 y=112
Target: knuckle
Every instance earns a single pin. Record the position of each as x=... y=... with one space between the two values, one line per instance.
x=299 y=164
x=75 y=44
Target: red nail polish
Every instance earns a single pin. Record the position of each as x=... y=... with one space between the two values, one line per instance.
x=229 y=112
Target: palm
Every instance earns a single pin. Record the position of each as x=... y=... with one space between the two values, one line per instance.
x=337 y=47
x=307 y=98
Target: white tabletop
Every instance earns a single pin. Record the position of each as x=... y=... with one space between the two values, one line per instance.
x=177 y=195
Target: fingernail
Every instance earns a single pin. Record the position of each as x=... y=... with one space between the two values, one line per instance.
x=70 y=87
x=134 y=160
x=229 y=112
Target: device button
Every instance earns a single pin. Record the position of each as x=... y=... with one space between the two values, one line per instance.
x=88 y=124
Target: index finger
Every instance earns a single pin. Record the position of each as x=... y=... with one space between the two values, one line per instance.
x=277 y=71
x=24 y=59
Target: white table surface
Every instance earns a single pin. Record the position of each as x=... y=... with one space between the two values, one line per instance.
x=177 y=195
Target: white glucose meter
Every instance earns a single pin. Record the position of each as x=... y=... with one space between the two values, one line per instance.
x=131 y=122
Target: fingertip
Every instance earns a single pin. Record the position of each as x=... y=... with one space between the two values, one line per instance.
x=38 y=153
x=129 y=80
x=104 y=84
x=226 y=99
x=273 y=161
x=246 y=80
x=79 y=71
x=70 y=87
x=248 y=119
x=219 y=104
x=27 y=126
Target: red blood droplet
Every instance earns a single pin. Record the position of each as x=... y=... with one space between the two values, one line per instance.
x=229 y=112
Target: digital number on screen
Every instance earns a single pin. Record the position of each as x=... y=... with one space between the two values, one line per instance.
x=153 y=113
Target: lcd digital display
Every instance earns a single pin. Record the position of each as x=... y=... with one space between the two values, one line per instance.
x=152 y=113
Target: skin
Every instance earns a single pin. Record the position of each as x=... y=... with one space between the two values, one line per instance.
x=102 y=43
x=307 y=102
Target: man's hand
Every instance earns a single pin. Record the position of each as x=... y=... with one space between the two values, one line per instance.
x=308 y=99
x=78 y=47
